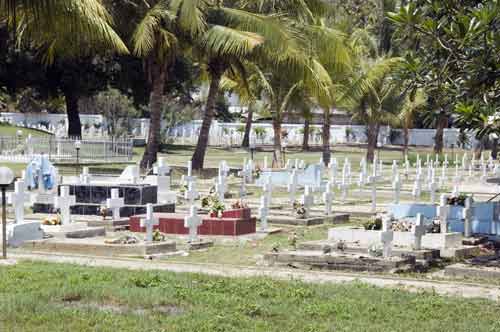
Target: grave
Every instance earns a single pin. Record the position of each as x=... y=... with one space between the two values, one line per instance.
x=232 y=223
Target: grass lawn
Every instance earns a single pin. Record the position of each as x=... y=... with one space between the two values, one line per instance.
x=8 y=130
x=52 y=297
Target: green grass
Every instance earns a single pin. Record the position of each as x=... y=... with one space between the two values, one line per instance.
x=8 y=130
x=52 y=297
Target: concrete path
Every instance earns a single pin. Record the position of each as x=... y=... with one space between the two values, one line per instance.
x=466 y=290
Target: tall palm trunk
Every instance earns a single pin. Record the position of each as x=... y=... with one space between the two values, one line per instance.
x=406 y=139
x=74 y=123
x=494 y=149
x=305 y=138
x=438 y=140
x=216 y=69
x=158 y=75
x=325 y=134
x=248 y=127
x=373 y=129
x=277 y=156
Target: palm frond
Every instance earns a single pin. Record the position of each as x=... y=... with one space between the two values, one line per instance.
x=223 y=41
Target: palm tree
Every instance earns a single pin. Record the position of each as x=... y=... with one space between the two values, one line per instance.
x=63 y=29
x=233 y=36
x=378 y=98
x=154 y=42
x=414 y=103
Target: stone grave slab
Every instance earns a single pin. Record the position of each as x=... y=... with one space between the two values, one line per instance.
x=98 y=247
x=340 y=261
x=19 y=233
x=76 y=230
x=322 y=245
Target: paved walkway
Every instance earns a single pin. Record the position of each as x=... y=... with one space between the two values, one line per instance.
x=465 y=290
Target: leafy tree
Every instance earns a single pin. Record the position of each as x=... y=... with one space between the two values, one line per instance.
x=453 y=53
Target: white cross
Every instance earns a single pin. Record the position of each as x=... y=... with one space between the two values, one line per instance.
x=307 y=200
x=220 y=188
x=387 y=236
x=288 y=165
x=468 y=214
x=433 y=186
x=85 y=177
x=162 y=168
x=17 y=199
x=418 y=230
x=191 y=194
x=193 y=221
x=396 y=186
x=267 y=189
x=328 y=196
x=263 y=213
x=115 y=203
x=333 y=171
x=64 y=202
x=149 y=222
x=442 y=212
x=245 y=173
x=373 y=182
x=417 y=187
x=187 y=179
x=292 y=185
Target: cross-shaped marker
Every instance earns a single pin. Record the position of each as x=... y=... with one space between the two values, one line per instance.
x=221 y=187
x=387 y=236
x=64 y=202
x=115 y=203
x=187 y=179
x=328 y=196
x=162 y=169
x=17 y=199
x=396 y=186
x=263 y=213
x=193 y=221
x=418 y=230
x=442 y=212
x=149 y=222
x=191 y=194
x=307 y=200
x=292 y=185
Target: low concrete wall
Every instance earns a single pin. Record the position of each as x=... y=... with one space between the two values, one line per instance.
x=405 y=239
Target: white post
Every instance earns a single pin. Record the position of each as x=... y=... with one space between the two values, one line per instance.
x=192 y=222
x=328 y=198
x=307 y=200
x=387 y=236
x=418 y=230
x=149 y=222
x=442 y=213
x=263 y=213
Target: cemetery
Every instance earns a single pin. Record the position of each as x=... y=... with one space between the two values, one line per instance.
x=260 y=166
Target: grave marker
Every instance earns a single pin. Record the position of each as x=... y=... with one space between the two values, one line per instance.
x=307 y=200
x=17 y=199
x=115 y=203
x=328 y=196
x=418 y=230
x=64 y=202
x=192 y=222
x=387 y=236
x=149 y=222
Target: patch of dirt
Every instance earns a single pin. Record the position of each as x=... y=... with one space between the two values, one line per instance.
x=170 y=310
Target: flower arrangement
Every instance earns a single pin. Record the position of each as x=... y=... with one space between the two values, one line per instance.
x=300 y=210
x=52 y=220
x=103 y=211
x=213 y=204
x=239 y=204
x=157 y=236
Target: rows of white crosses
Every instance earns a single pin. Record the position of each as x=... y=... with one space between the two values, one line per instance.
x=64 y=201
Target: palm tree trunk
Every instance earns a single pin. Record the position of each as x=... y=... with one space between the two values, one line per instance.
x=158 y=75
x=494 y=149
x=216 y=70
x=406 y=139
x=74 y=123
x=373 y=129
x=326 y=136
x=277 y=156
x=438 y=140
x=305 y=138
x=248 y=128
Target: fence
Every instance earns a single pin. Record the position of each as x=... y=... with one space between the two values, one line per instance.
x=61 y=150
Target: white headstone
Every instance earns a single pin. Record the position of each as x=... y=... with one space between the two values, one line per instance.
x=263 y=213
x=292 y=185
x=149 y=222
x=18 y=198
x=115 y=203
x=64 y=202
x=307 y=200
x=442 y=212
x=328 y=196
x=387 y=236
x=192 y=222
x=418 y=230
